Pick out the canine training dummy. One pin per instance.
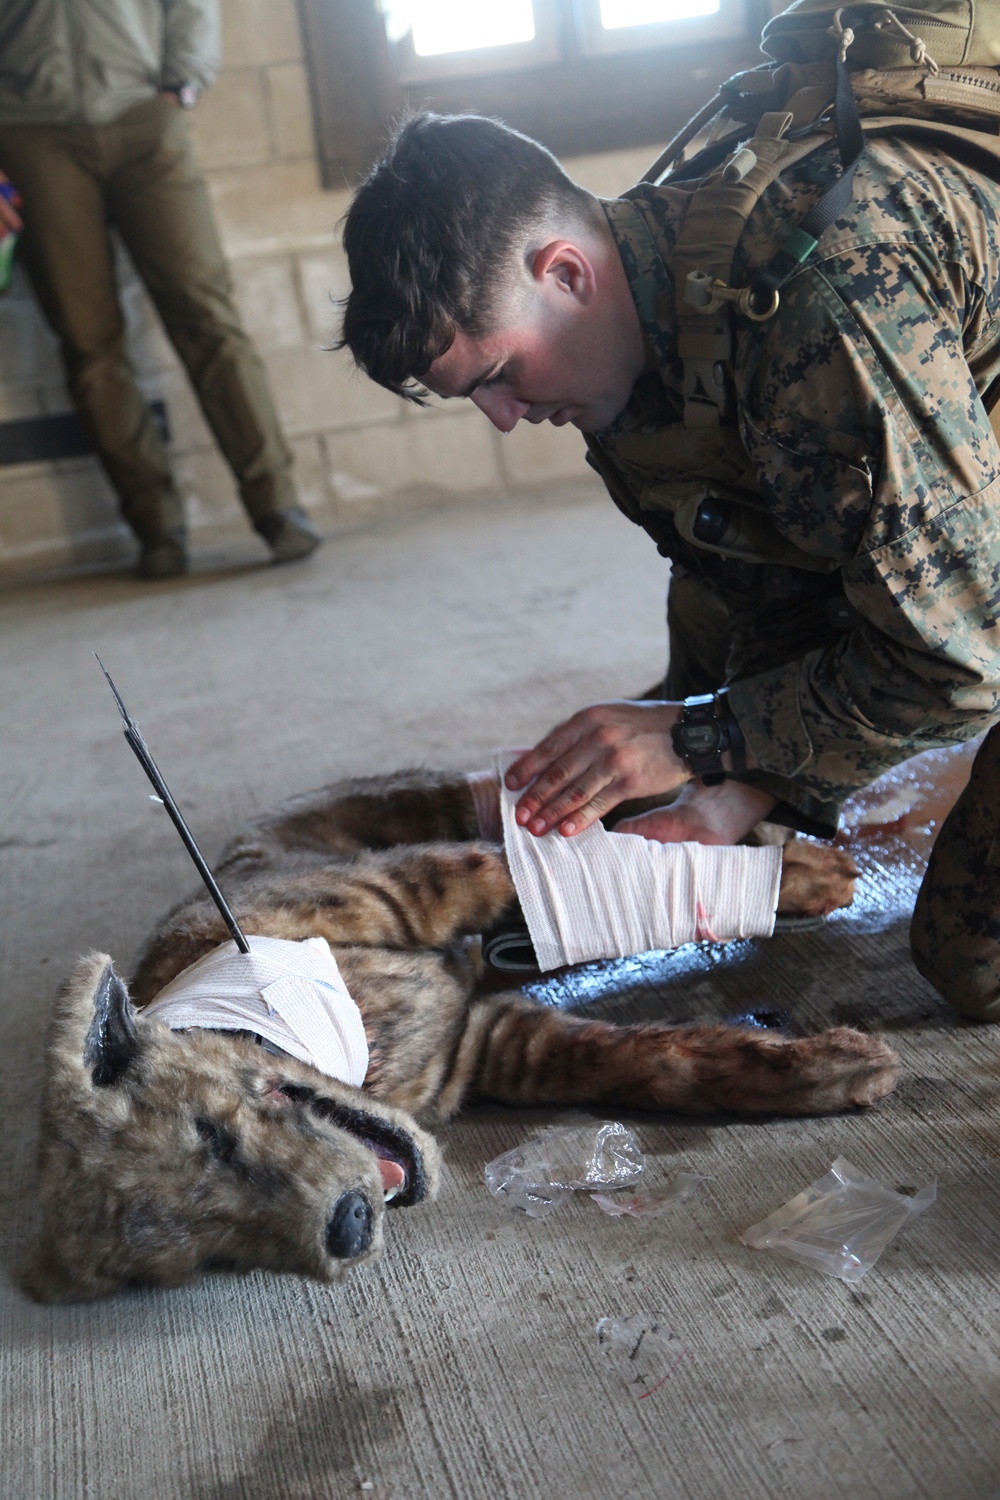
(168, 1153)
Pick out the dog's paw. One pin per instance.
(815, 1075)
(816, 879)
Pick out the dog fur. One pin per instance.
(165, 1155)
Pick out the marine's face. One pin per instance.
(563, 356)
(518, 373)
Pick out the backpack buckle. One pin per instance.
(706, 295)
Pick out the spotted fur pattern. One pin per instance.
(168, 1154)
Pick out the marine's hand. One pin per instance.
(175, 98)
(703, 815)
(10, 202)
(596, 759)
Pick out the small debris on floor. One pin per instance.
(642, 1349)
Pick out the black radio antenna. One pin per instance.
(133, 735)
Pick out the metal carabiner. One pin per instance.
(746, 308)
(708, 296)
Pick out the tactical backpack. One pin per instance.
(930, 68)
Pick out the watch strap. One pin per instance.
(701, 713)
(737, 743)
(699, 738)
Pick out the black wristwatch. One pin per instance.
(187, 94)
(706, 729)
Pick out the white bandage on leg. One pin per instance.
(606, 895)
(289, 992)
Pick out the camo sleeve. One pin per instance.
(860, 409)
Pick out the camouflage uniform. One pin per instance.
(858, 407)
(955, 932)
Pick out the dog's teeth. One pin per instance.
(393, 1177)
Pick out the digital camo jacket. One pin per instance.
(859, 408)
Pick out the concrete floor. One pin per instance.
(466, 1364)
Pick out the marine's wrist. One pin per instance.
(186, 93)
(708, 740)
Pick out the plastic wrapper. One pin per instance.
(651, 1205)
(540, 1174)
(780, 1021)
(642, 1350)
(840, 1224)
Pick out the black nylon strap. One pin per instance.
(737, 743)
(851, 144)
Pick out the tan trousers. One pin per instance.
(139, 176)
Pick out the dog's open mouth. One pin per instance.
(400, 1163)
(391, 1169)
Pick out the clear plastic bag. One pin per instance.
(540, 1174)
(642, 1349)
(841, 1223)
(651, 1205)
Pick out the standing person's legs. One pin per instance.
(955, 932)
(160, 205)
(69, 258)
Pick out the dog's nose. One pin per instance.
(349, 1231)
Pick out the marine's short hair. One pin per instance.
(435, 236)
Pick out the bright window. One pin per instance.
(581, 76)
(615, 13)
(439, 26)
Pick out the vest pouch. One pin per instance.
(742, 531)
(955, 32)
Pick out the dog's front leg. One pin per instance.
(517, 1052)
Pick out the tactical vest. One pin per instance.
(692, 479)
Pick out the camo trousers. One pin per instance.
(712, 640)
(955, 932)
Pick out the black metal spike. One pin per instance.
(133, 735)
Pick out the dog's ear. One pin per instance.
(112, 1041)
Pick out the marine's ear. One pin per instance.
(112, 1041)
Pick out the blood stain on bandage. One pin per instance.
(703, 926)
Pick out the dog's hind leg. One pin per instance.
(517, 1052)
(372, 812)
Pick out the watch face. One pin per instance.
(701, 739)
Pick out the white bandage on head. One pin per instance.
(606, 895)
(291, 993)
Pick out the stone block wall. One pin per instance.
(359, 451)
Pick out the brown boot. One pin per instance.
(163, 556)
(290, 534)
